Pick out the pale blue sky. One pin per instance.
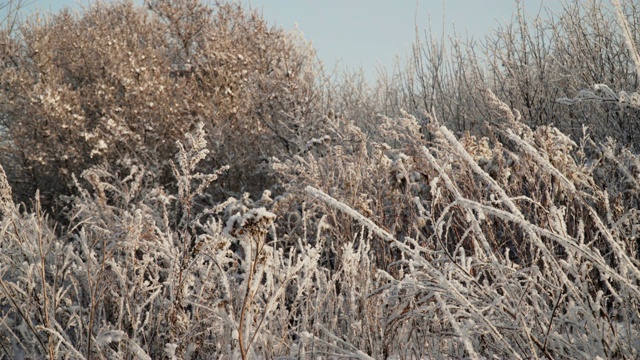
(370, 33)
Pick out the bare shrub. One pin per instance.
(530, 61)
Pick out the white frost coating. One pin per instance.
(315, 141)
(626, 264)
(170, 350)
(515, 212)
(452, 187)
(540, 161)
(254, 217)
(349, 211)
(436, 273)
(109, 336)
(138, 351)
(464, 337)
(567, 242)
(628, 35)
(63, 340)
(476, 169)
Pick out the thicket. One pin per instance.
(119, 84)
(260, 210)
(551, 66)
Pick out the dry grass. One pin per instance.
(379, 234)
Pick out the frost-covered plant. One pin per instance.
(119, 83)
(522, 243)
(145, 273)
(521, 253)
(529, 61)
(386, 236)
(377, 176)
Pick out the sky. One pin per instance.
(370, 34)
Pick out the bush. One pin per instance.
(120, 84)
(535, 63)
